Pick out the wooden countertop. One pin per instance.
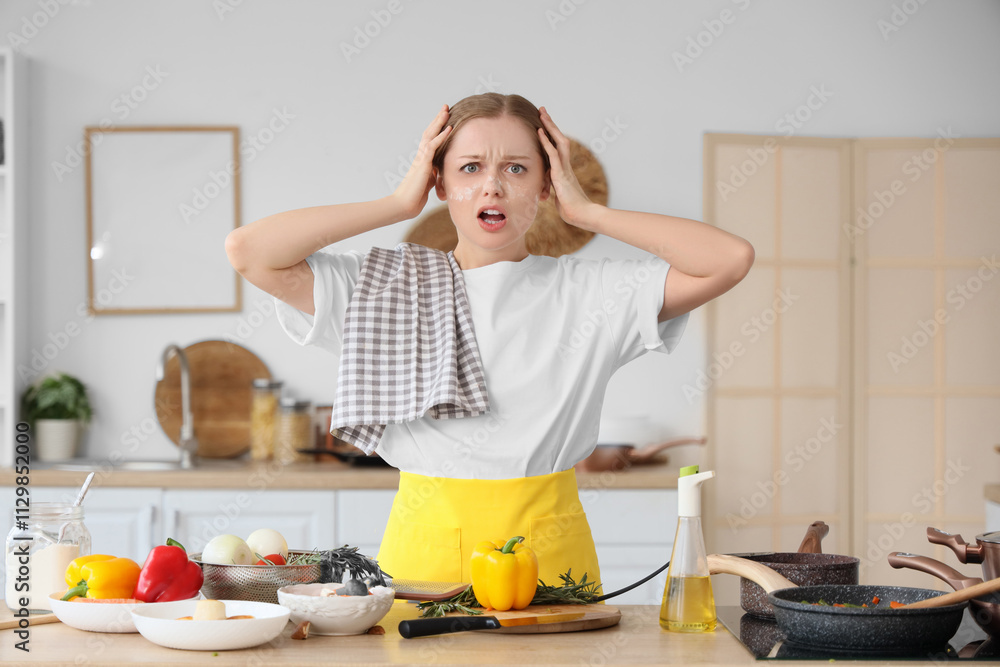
(238, 474)
(637, 640)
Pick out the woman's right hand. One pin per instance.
(413, 191)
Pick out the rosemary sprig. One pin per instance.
(335, 562)
(570, 592)
(463, 602)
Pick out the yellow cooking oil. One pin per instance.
(688, 605)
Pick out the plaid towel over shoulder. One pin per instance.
(409, 346)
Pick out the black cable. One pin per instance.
(600, 598)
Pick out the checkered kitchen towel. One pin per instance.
(409, 346)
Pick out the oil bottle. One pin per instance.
(688, 603)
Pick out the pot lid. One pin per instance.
(992, 538)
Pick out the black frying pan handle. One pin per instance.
(421, 627)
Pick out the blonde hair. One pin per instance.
(492, 105)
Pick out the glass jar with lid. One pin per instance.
(40, 545)
(295, 431)
(264, 417)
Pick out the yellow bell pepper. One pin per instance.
(102, 577)
(504, 574)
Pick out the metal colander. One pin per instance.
(258, 583)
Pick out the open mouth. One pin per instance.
(492, 216)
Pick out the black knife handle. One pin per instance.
(421, 627)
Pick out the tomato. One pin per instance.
(276, 559)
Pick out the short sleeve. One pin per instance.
(632, 293)
(334, 278)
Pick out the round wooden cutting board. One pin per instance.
(222, 375)
(595, 616)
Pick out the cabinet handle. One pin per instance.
(173, 523)
(146, 516)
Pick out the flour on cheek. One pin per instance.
(461, 194)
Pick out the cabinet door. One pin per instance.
(304, 518)
(122, 522)
(361, 518)
(634, 532)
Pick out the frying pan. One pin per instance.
(619, 457)
(985, 610)
(874, 629)
(807, 567)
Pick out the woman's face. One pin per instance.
(493, 179)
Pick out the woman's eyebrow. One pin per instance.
(505, 157)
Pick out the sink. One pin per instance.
(152, 465)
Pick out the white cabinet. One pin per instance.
(13, 246)
(634, 533)
(122, 522)
(304, 518)
(361, 518)
(633, 528)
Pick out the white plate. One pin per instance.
(95, 616)
(158, 623)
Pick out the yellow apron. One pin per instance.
(436, 521)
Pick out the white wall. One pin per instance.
(354, 121)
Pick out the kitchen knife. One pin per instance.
(421, 627)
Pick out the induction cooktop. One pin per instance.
(764, 641)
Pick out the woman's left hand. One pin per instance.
(570, 199)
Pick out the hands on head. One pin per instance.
(570, 199)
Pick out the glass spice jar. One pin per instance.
(263, 418)
(294, 431)
(39, 547)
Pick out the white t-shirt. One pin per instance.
(550, 332)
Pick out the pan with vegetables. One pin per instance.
(884, 619)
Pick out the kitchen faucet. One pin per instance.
(188, 443)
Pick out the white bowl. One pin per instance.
(336, 615)
(95, 616)
(158, 623)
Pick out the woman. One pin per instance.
(550, 331)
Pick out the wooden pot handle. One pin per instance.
(760, 574)
(812, 543)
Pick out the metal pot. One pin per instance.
(985, 551)
(807, 567)
(615, 458)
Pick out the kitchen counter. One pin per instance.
(637, 640)
(327, 475)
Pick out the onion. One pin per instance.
(227, 550)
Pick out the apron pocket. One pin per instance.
(414, 550)
(562, 542)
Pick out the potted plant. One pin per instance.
(56, 407)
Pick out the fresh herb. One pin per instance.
(570, 592)
(463, 602)
(335, 562)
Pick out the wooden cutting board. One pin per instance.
(595, 616)
(222, 375)
(33, 619)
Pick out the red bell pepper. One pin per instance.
(168, 574)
